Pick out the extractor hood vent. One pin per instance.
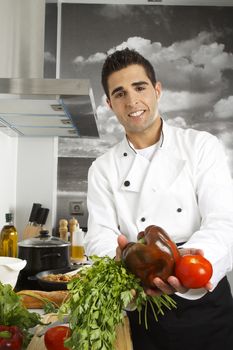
(47, 107)
(31, 105)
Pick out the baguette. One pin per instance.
(36, 299)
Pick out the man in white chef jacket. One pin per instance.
(177, 179)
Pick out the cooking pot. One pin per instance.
(43, 252)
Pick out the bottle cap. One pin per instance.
(78, 237)
(9, 217)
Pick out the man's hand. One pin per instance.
(172, 285)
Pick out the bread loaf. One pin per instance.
(36, 299)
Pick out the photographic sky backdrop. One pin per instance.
(191, 49)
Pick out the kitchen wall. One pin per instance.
(36, 178)
(28, 174)
(8, 175)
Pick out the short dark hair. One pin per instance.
(121, 59)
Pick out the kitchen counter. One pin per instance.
(123, 340)
(37, 343)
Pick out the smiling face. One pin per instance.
(134, 100)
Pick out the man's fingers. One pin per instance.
(122, 241)
(176, 285)
(192, 251)
(118, 254)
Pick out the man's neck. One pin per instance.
(146, 138)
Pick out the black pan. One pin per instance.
(51, 285)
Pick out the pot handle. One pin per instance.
(32, 278)
(45, 256)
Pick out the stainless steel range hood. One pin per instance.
(47, 107)
(31, 105)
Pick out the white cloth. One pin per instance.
(148, 152)
(186, 189)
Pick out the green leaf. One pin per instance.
(13, 312)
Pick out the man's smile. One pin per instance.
(136, 113)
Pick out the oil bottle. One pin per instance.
(9, 238)
(77, 242)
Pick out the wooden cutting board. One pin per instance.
(123, 340)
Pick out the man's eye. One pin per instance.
(119, 94)
(140, 88)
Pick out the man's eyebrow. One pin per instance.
(119, 88)
(136, 83)
(142, 82)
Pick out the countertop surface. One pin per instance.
(123, 339)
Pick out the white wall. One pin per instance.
(28, 173)
(8, 164)
(36, 178)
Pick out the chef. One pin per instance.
(174, 178)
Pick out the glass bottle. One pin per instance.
(9, 238)
(77, 245)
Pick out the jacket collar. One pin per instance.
(125, 146)
(158, 174)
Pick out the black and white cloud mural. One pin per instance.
(191, 49)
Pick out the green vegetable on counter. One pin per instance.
(97, 300)
(13, 313)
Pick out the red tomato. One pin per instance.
(54, 337)
(193, 271)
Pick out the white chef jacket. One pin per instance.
(186, 189)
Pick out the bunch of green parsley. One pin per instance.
(97, 300)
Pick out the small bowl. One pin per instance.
(10, 268)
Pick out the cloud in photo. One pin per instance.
(196, 64)
(224, 108)
(95, 58)
(113, 12)
(178, 122)
(82, 147)
(184, 100)
(49, 57)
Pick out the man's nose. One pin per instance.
(132, 99)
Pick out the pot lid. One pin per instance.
(43, 240)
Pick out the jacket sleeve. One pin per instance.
(101, 237)
(214, 190)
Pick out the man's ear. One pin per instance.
(109, 102)
(158, 89)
